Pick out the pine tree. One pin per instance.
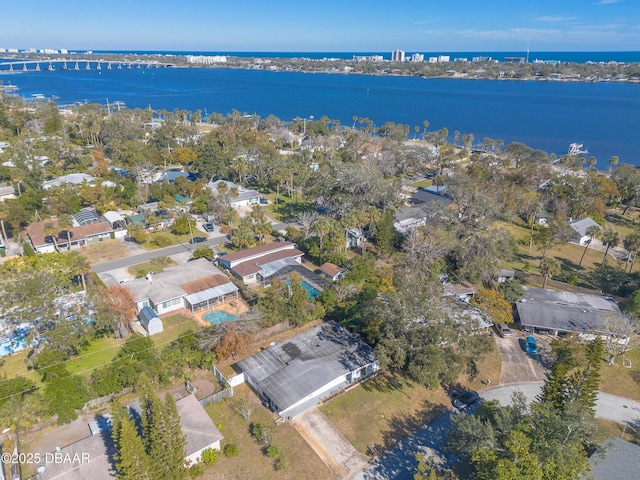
(175, 453)
(132, 462)
(163, 440)
(584, 384)
(554, 391)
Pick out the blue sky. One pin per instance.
(322, 26)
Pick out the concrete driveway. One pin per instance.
(332, 447)
(517, 366)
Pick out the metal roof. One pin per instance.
(294, 369)
(208, 294)
(567, 311)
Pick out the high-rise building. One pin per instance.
(417, 57)
(397, 56)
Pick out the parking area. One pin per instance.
(518, 366)
(332, 447)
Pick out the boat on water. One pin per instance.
(576, 149)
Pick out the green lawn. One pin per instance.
(422, 183)
(14, 365)
(622, 381)
(174, 326)
(384, 410)
(99, 352)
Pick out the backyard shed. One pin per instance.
(150, 321)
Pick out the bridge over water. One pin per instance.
(73, 64)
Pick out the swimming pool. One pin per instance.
(218, 316)
(313, 291)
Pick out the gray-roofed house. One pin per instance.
(198, 427)
(427, 196)
(409, 218)
(622, 461)
(196, 285)
(296, 374)
(579, 230)
(245, 196)
(559, 311)
(71, 179)
(150, 321)
(504, 275)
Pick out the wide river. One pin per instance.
(605, 117)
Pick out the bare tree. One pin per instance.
(245, 407)
(623, 334)
(306, 221)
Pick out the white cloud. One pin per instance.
(607, 2)
(555, 18)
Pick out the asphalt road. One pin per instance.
(399, 463)
(162, 252)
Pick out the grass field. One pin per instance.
(422, 183)
(105, 251)
(174, 326)
(155, 265)
(251, 463)
(607, 429)
(622, 381)
(99, 352)
(489, 371)
(384, 410)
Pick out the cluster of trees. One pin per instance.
(548, 439)
(158, 453)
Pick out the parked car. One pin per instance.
(208, 227)
(197, 240)
(532, 348)
(504, 331)
(465, 399)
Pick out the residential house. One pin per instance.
(198, 427)
(117, 222)
(247, 264)
(424, 196)
(74, 179)
(331, 271)
(558, 311)
(246, 197)
(579, 230)
(196, 285)
(617, 459)
(504, 275)
(76, 237)
(296, 374)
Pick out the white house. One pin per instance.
(295, 375)
(245, 196)
(198, 427)
(579, 230)
(196, 286)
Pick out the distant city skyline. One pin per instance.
(329, 26)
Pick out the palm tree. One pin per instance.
(610, 238)
(632, 244)
(548, 268)
(81, 266)
(51, 230)
(65, 222)
(322, 227)
(593, 232)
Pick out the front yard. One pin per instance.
(251, 462)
